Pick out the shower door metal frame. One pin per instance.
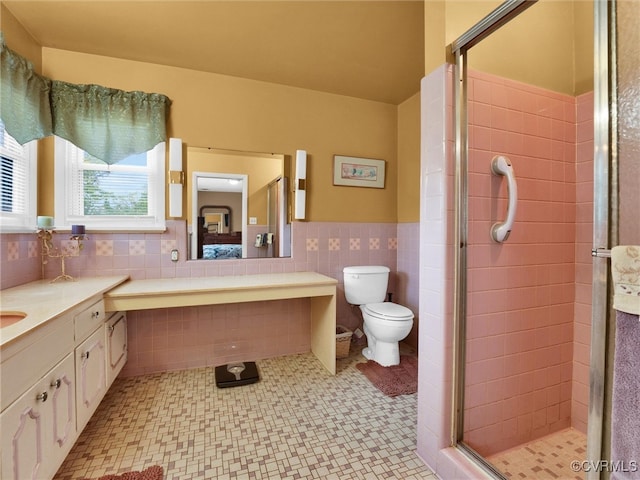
(605, 227)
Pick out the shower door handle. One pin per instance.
(501, 165)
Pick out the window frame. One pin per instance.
(24, 222)
(64, 218)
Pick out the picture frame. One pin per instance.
(358, 172)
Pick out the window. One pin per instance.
(126, 195)
(18, 187)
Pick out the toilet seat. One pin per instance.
(388, 311)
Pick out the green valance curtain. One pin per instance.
(24, 97)
(109, 124)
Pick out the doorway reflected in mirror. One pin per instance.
(238, 205)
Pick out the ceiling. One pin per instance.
(366, 49)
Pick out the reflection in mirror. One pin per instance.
(238, 206)
(218, 233)
(277, 217)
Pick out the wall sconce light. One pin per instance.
(300, 187)
(176, 177)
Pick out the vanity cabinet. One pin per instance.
(90, 376)
(24, 362)
(39, 428)
(116, 342)
(53, 379)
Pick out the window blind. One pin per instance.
(17, 194)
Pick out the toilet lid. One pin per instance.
(388, 311)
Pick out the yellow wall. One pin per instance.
(409, 160)
(435, 40)
(584, 48)
(218, 111)
(18, 39)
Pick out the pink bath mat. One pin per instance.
(151, 473)
(395, 380)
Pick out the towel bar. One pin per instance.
(601, 252)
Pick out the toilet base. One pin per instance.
(386, 354)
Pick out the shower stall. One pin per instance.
(516, 337)
(530, 310)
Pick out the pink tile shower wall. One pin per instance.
(584, 240)
(521, 293)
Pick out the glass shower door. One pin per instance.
(525, 375)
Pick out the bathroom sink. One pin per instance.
(9, 318)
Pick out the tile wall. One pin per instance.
(169, 339)
(407, 291)
(521, 293)
(436, 273)
(529, 298)
(583, 275)
(20, 260)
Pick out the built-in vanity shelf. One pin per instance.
(192, 291)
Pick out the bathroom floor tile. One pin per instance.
(297, 422)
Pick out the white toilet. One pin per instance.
(385, 323)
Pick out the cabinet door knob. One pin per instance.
(95, 314)
(85, 355)
(56, 383)
(42, 396)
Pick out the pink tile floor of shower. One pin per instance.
(549, 457)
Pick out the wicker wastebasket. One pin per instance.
(343, 341)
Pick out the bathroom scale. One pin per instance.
(236, 374)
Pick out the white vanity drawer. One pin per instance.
(89, 319)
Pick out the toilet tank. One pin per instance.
(366, 284)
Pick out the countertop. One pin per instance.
(43, 301)
(190, 291)
(159, 286)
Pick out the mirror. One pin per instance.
(237, 205)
